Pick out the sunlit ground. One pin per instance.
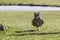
(18, 25)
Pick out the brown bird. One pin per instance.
(1, 27)
(37, 21)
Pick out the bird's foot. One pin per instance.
(38, 29)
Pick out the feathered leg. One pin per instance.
(38, 28)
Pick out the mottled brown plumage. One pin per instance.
(37, 21)
(1, 27)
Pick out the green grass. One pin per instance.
(50, 2)
(18, 26)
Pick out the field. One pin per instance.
(18, 25)
(50, 2)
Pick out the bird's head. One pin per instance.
(36, 14)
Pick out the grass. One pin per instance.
(18, 26)
(50, 2)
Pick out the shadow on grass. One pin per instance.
(31, 32)
(25, 31)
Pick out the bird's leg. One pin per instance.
(38, 28)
